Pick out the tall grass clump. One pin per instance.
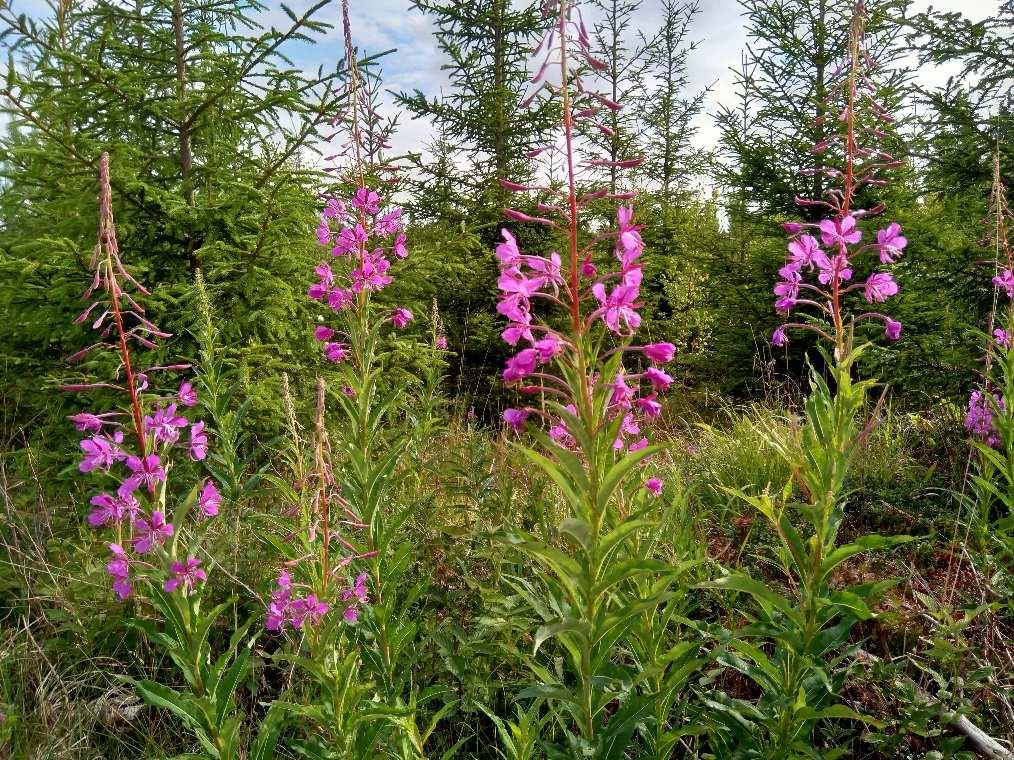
(795, 646)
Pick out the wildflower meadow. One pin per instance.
(505, 379)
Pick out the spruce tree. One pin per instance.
(973, 113)
(792, 61)
(669, 112)
(208, 122)
(625, 59)
(485, 44)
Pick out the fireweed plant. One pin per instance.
(794, 649)
(157, 531)
(571, 319)
(989, 420)
(336, 594)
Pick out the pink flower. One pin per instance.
(804, 251)
(366, 200)
(520, 365)
(401, 317)
(638, 445)
(1005, 281)
(787, 292)
(198, 441)
(561, 436)
(335, 352)
(323, 232)
(549, 268)
(890, 243)
(319, 290)
(389, 224)
(979, 419)
(334, 209)
(659, 353)
(840, 232)
(350, 239)
(371, 274)
(101, 452)
(279, 606)
(654, 486)
(323, 333)
(188, 574)
(618, 308)
(187, 395)
(507, 252)
(109, 508)
(151, 532)
(892, 329)
(1002, 338)
(623, 395)
(400, 250)
(209, 499)
(548, 348)
(628, 243)
(650, 406)
(358, 595)
(119, 570)
(515, 332)
(165, 424)
(309, 609)
(146, 472)
(879, 287)
(515, 418)
(659, 379)
(778, 337)
(339, 298)
(441, 342)
(832, 267)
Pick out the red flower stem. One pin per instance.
(568, 132)
(135, 403)
(849, 179)
(107, 241)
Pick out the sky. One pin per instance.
(379, 25)
(718, 29)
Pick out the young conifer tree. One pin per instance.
(791, 64)
(485, 44)
(206, 119)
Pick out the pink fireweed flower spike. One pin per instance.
(151, 532)
(831, 247)
(596, 281)
(135, 446)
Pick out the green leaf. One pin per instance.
(548, 631)
(836, 712)
(863, 544)
(768, 599)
